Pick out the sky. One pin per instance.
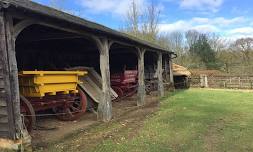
(230, 19)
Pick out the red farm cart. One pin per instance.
(125, 83)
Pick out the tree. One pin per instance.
(206, 54)
(192, 37)
(245, 46)
(175, 41)
(133, 20)
(150, 24)
(144, 24)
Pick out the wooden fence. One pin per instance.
(229, 82)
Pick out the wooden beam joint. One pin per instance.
(21, 26)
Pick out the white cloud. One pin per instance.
(221, 21)
(201, 5)
(227, 27)
(242, 31)
(180, 25)
(187, 25)
(207, 28)
(117, 7)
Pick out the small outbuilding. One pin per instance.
(181, 76)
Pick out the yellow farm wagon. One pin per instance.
(57, 90)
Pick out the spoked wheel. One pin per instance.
(148, 88)
(73, 110)
(119, 91)
(131, 92)
(28, 112)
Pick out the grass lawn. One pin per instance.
(193, 120)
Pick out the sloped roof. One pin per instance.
(179, 70)
(36, 8)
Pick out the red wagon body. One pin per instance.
(125, 83)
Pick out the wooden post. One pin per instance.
(206, 82)
(239, 81)
(171, 74)
(105, 105)
(141, 77)
(160, 74)
(203, 81)
(166, 68)
(14, 84)
(10, 77)
(7, 128)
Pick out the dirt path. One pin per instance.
(88, 132)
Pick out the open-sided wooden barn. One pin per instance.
(36, 37)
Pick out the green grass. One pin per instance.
(194, 120)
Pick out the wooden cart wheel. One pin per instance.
(132, 92)
(28, 112)
(119, 91)
(74, 110)
(148, 88)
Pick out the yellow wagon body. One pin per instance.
(40, 83)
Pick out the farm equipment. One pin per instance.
(125, 83)
(56, 90)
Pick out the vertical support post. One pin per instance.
(10, 123)
(166, 67)
(171, 74)
(141, 77)
(172, 86)
(13, 70)
(105, 105)
(160, 74)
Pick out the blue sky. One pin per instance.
(230, 18)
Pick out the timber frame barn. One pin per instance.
(36, 37)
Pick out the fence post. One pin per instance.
(206, 82)
(203, 81)
(225, 84)
(239, 80)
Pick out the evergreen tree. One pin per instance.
(203, 50)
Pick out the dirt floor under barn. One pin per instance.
(51, 130)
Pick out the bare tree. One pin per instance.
(245, 46)
(215, 41)
(192, 37)
(150, 24)
(133, 19)
(143, 24)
